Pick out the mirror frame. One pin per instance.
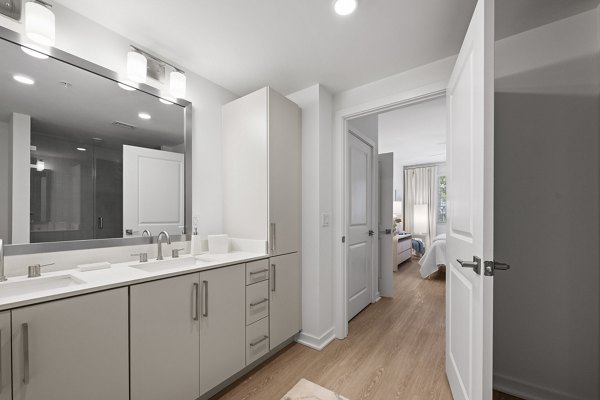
(48, 247)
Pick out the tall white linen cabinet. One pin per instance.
(262, 195)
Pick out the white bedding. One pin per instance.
(434, 256)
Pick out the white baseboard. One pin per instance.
(529, 391)
(316, 343)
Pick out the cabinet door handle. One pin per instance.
(273, 238)
(259, 341)
(196, 298)
(205, 300)
(274, 278)
(25, 332)
(257, 303)
(262, 271)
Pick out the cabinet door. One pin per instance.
(285, 299)
(165, 344)
(222, 324)
(72, 349)
(5, 356)
(284, 175)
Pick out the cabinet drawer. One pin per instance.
(257, 301)
(405, 255)
(404, 245)
(257, 271)
(257, 340)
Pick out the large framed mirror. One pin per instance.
(86, 161)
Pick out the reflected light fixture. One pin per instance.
(40, 22)
(126, 87)
(167, 102)
(177, 84)
(144, 115)
(40, 165)
(34, 53)
(81, 148)
(344, 7)
(137, 66)
(23, 79)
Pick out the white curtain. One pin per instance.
(420, 188)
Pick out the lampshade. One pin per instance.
(39, 23)
(177, 84)
(421, 218)
(137, 66)
(397, 207)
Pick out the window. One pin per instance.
(442, 200)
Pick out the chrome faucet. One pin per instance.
(159, 242)
(147, 232)
(2, 276)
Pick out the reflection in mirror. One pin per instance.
(81, 158)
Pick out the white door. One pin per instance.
(386, 224)
(359, 158)
(153, 191)
(469, 295)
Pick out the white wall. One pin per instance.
(4, 182)
(547, 307)
(19, 140)
(317, 321)
(86, 39)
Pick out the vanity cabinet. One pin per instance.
(222, 324)
(5, 357)
(165, 339)
(285, 298)
(72, 349)
(262, 170)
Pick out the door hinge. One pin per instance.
(343, 239)
(490, 266)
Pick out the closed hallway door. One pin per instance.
(359, 158)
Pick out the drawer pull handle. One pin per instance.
(205, 301)
(25, 332)
(262, 271)
(257, 303)
(274, 278)
(259, 341)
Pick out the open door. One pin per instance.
(153, 191)
(469, 291)
(386, 225)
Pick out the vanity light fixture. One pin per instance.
(144, 115)
(345, 7)
(40, 165)
(40, 22)
(137, 65)
(34, 53)
(140, 63)
(23, 79)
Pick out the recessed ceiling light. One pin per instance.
(126, 87)
(23, 79)
(34, 53)
(81, 149)
(165, 101)
(144, 115)
(345, 7)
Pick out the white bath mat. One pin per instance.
(306, 390)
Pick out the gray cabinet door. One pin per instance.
(5, 356)
(285, 297)
(165, 344)
(222, 324)
(72, 349)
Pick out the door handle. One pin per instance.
(205, 298)
(274, 277)
(196, 298)
(371, 232)
(25, 333)
(100, 223)
(475, 264)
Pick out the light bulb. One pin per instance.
(40, 165)
(137, 66)
(40, 23)
(345, 7)
(177, 84)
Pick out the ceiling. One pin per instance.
(292, 44)
(85, 109)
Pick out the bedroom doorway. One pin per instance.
(410, 225)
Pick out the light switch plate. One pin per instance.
(11, 9)
(325, 220)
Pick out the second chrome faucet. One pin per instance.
(159, 242)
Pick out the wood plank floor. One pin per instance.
(394, 350)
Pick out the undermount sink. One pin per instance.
(32, 285)
(206, 259)
(166, 264)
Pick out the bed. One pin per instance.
(434, 256)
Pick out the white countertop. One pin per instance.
(118, 275)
